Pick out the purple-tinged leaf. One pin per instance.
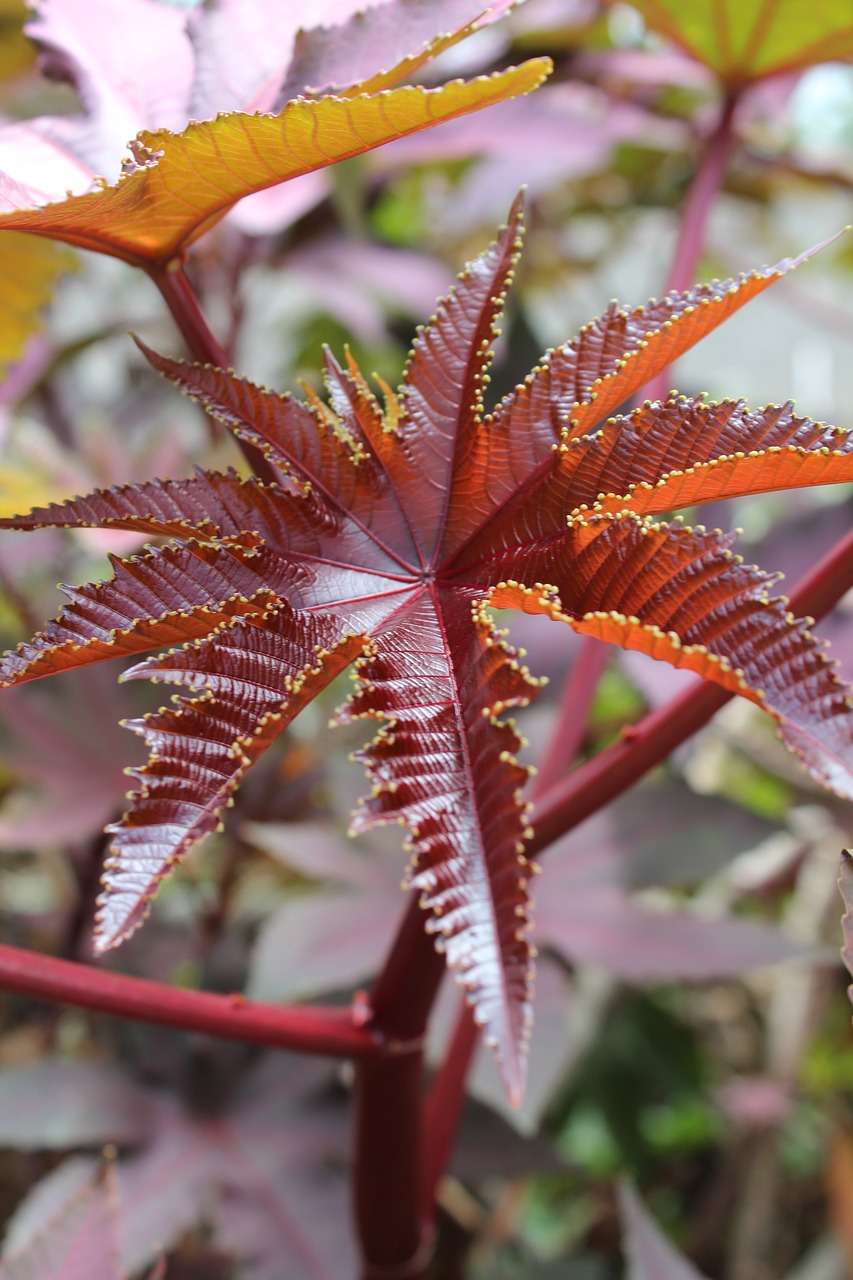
(131, 71)
(253, 57)
(650, 1255)
(330, 938)
(271, 1166)
(80, 1243)
(56, 1104)
(383, 43)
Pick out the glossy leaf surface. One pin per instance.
(389, 534)
(745, 40)
(179, 184)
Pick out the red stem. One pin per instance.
(310, 1029)
(707, 181)
(180, 298)
(572, 713)
(443, 1106)
(395, 1234)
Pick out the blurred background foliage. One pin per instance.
(669, 1048)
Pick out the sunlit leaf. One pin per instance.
(179, 184)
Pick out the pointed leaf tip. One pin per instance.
(159, 207)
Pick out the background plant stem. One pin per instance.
(180, 298)
(707, 182)
(308, 1029)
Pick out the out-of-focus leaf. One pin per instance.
(845, 884)
(63, 788)
(130, 67)
(16, 52)
(333, 937)
(254, 57)
(744, 40)
(29, 269)
(564, 132)
(55, 1104)
(271, 1166)
(669, 834)
(650, 1255)
(585, 913)
(81, 1243)
(178, 185)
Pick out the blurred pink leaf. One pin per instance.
(586, 914)
(54, 1105)
(160, 67)
(359, 282)
(254, 56)
(568, 131)
(131, 71)
(67, 787)
(80, 1243)
(333, 937)
(272, 1166)
(650, 1255)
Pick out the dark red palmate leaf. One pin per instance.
(406, 522)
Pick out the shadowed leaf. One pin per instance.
(271, 1163)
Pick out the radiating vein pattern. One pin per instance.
(396, 522)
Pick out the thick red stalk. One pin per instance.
(707, 181)
(309, 1029)
(395, 1234)
(443, 1106)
